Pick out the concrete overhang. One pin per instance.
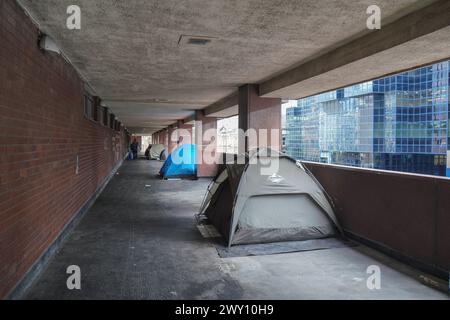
(223, 108)
(131, 55)
(417, 39)
(143, 130)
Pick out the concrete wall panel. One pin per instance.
(408, 214)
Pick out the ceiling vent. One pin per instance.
(198, 41)
(189, 40)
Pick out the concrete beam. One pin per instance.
(189, 119)
(408, 28)
(230, 101)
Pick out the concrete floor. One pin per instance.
(141, 242)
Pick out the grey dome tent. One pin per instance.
(157, 152)
(256, 203)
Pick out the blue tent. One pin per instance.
(180, 163)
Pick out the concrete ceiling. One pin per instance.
(129, 51)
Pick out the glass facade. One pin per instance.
(400, 123)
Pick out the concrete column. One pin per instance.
(165, 139)
(185, 133)
(172, 138)
(161, 138)
(205, 137)
(158, 137)
(258, 116)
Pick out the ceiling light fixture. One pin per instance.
(46, 43)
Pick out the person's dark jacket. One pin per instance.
(134, 147)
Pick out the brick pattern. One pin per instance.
(42, 132)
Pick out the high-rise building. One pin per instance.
(400, 123)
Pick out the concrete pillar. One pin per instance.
(184, 133)
(161, 137)
(165, 139)
(172, 138)
(260, 116)
(205, 137)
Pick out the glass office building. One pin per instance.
(400, 123)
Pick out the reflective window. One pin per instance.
(400, 123)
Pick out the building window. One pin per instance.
(88, 106)
(399, 122)
(112, 119)
(95, 116)
(105, 117)
(96, 110)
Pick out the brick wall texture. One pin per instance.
(43, 131)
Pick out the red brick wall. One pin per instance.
(42, 130)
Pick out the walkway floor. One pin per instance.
(140, 241)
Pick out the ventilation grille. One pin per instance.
(189, 40)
